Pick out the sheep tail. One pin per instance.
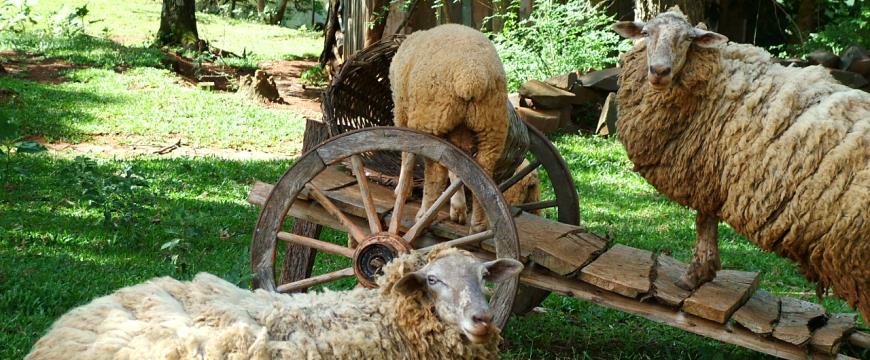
(473, 81)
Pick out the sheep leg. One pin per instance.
(705, 261)
(434, 183)
(458, 207)
(488, 152)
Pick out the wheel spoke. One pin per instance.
(324, 246)
(432, 212)
(368, 202)
(537, 205)
(355, 232)
(519, 175)
(315, 280)
(403, 189)
(465, 240)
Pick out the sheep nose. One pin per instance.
(660, 70)
(485, 318)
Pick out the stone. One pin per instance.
(824, 58)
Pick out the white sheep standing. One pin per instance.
(446, 81)
(425, 308)
(780, 154)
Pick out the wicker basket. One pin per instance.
(360, 97)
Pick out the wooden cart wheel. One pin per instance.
(379, 241)
(566, 202)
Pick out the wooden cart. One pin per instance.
(339, 183)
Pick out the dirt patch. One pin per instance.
(130, 146)
(37, 68)
(221, 77)
(299, 98)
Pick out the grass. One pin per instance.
(135, 22)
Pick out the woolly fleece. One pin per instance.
(780, 154)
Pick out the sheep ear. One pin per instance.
(501, 269)
(629, 29)
(708, 39)
(409, 283)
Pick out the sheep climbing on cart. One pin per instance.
(354, 181)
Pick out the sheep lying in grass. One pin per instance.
(425, 308)
(446, 80)
(781, 154)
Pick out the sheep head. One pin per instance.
(454, 281)
(668, 37)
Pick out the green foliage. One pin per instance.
(314, 76)
(844, 23)
(17, 15)
(555, 39)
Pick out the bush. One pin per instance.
(555, 39)
(845, 22)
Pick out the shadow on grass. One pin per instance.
(47, 109)
(83, 50)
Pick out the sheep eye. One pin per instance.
(644, 33)
(432, 280)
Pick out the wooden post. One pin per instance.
(299, 260)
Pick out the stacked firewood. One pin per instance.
(564, 102)
(852, 67)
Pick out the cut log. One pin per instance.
(850, 79)
(259, 87)
(852, 54)
(545, 96)
(760, 313)
(718, 299)
(545, 120)
(828, 338)
(668, 272)
(797, 320)
(603, 79)
(565, 81)
(824, 58)
(607, 119)
(622, 269)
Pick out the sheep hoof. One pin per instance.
(458, 215)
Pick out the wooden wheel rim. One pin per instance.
(340, 147)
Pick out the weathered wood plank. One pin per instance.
(760, 313)
(718, 299)
(568, 253)
(668, 271)
(662, 314)
(797, 320)
(622, 269)
(828, 338)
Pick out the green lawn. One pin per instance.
(135, 22)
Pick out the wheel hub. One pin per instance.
(375, 252)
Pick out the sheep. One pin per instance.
(780, 154)
(425, 308)
(447, 81)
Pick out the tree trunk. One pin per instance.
(279, 12)
(696, 10)
(378, 11)
(232, 9)
(807, 20)
(178, 23)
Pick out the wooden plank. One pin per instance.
(718, 299)
(567, 254)
(760, 313)
(828, 338)
(668, 271)
(797, 320)
(662, 314)
(622, 269)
